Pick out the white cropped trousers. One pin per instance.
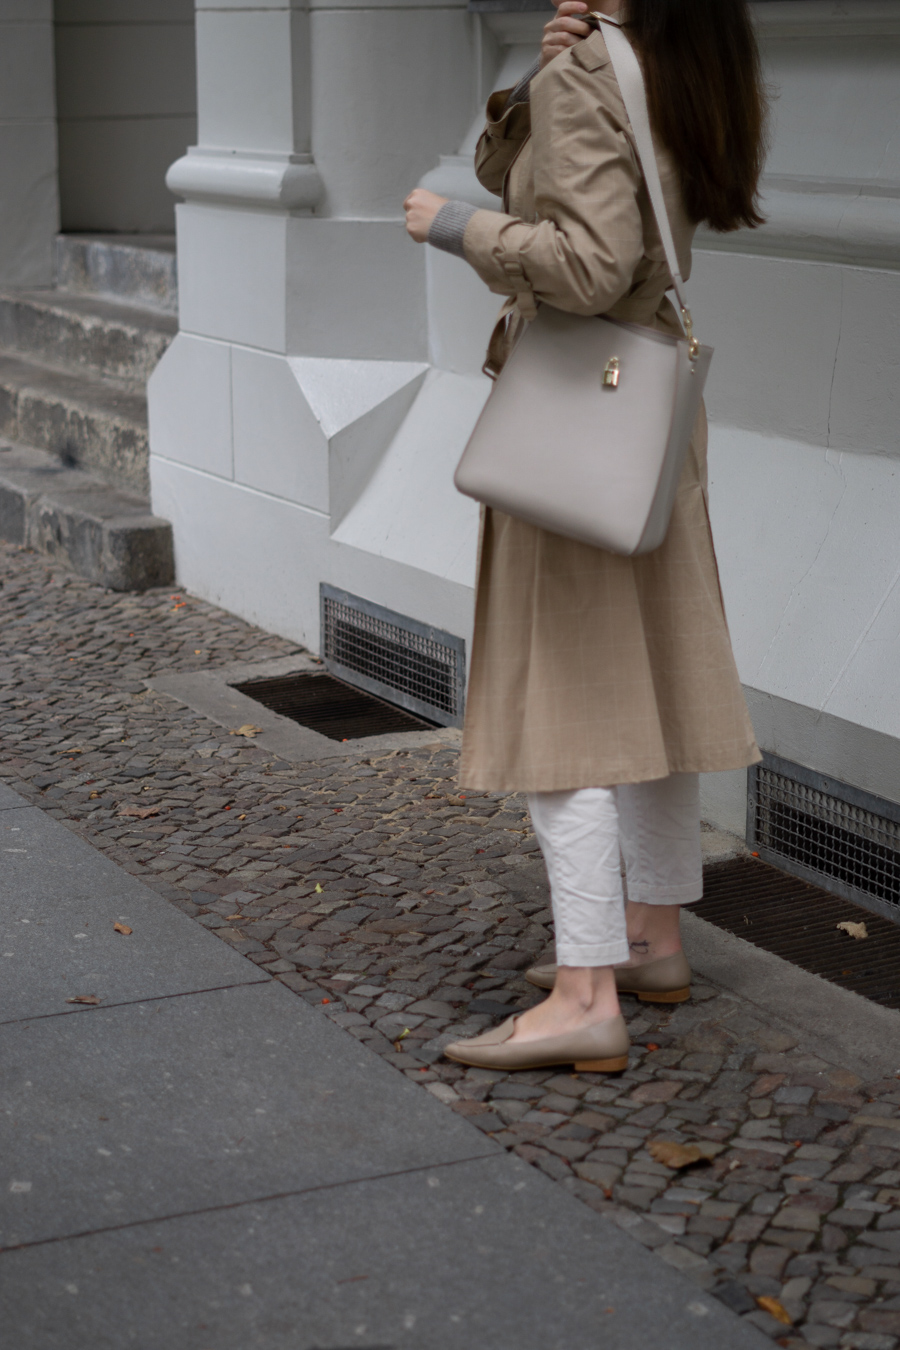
(656, 828)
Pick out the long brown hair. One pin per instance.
(707, 102)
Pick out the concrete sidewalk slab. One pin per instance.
(10, 800)
(207, 1099)
(59, 900)
(475, 1255)
(857, 1033)
(225, 1169)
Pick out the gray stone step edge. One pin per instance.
(140, 268)
(94, 424)
(82, 331)
(106, 535)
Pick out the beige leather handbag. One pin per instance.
(587, 427)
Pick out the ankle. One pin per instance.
(653, 949)
(587, 994)
(654, 931)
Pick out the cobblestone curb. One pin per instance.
(407, 912)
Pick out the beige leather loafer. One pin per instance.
(601, 1048)
(667, 980)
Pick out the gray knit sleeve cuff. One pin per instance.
(449, 227)
(521, 93)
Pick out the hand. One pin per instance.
(421, 207)
(564, 30)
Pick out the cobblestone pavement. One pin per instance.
(407, 913)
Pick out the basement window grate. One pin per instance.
(418, 667)
(330, 706)
(799, 923)
(826, 832)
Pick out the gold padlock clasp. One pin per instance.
(611, 373)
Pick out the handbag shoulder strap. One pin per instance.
(634, 96)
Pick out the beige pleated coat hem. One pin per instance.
(590, 669)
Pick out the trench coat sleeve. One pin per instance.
(581, 253)
(506, 131)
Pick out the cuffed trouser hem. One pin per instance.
(657, 827)
(604, 954)
(671, 895)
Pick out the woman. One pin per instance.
(603, 685)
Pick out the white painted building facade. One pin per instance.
(305, 423)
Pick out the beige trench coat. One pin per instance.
(588, 668)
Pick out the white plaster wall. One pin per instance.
(805, 437)
(809, 351)
(246, 60)
(809, 556)
(29, 206)
(405, 95)
(298, 397)
(263, 557)
(355, 288)
(127, 107)
(835, 114)
(232, 273)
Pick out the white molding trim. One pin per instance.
(269, 181)
(826, 18)
(828, 221)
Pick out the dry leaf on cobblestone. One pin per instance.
(775, 1309)
(92, 999)
(139, 812)
(854, 930)
(122, 928)
(248, 729)
(671, 1154)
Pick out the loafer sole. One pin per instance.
(617, 1065)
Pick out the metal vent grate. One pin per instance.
(799, 923)
(327, 705)
(826, 832)
(421, 668)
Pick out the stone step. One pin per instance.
(63, 328)
(87, 422)
(139, 268)
(105, 534)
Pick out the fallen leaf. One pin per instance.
(95, 794)
(139, 812)
(775, 1309)
(672, 1154)
(244, 817)
(92, 999)
(122, 928)
(248, 729)
(854, 930)
(318, 888)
